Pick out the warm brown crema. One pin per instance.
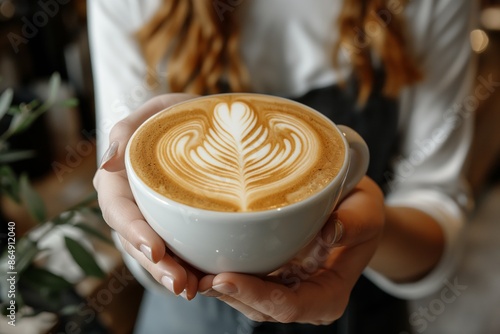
(237, 152)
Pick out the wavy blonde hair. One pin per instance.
(202, 48)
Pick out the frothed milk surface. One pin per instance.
(237, 152)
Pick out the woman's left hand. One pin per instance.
(315, 287)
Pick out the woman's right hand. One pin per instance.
(122, 214)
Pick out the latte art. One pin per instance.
(237, 152)
(238, 157)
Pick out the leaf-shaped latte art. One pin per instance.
(238, 156)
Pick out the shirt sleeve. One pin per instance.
(437, 118)
(120, 80)
(119, 69)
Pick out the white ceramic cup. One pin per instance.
(248, 242)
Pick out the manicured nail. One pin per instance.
(146, 250)
(211, 293)
(184, 294)
(168, 282)
(333, 238)
(338, 233)
(110, 153)
(225, 288)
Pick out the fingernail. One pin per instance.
(146, 250)
(168, 282)
(211, 293)
(225, 288)
(183, 294)
(332, 238)
(337, 235)
(110, 153)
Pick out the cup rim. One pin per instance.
(340, 177)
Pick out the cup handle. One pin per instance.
(359, 159)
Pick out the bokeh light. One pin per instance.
(479, 40)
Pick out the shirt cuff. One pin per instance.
(451, 218)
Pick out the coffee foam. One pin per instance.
(237, 153)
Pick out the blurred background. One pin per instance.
(37, 40)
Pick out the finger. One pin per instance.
(191, 287)
(332, 232)
(167, 271)
(113, 158)
(205, 286)
(314, 255)
(360, 231)
(261, 300)
(232, 299)
(258, 299)
(121, 213)
(351, 212)
(193, 277)
(246, 310)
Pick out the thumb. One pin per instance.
(113, 158)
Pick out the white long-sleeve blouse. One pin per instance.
(287, 48)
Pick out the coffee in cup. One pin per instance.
(241, 182)
(237, 153)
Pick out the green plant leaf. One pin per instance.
(24, 120)
(9, 183)
(31, 199)
(54, 85)
(19, 301)
(24, 116)
(70, 103)
(39, 278)
(93, 232)
(5, 101)
(15, 155)
(26, 250)
(83, 258)
(17, 122)
(33, 105)
(64, 218)
(96, 210)
(14, 110)
(70, 309)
